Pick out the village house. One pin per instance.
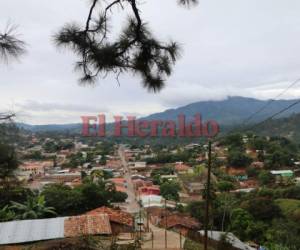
(257, 164)
(177, 222)
(238, 173)
(62, 177)
(120, 184)
(19, 234)
(120, 221)
(180, 223)
(283, 176)
(156, 214)
(182, 168)
(30, 169)
(194, 188)
(113, 164)
(138, 166)
(148, 190)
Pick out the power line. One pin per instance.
(269, 102)
(276, 114)
(243, 127)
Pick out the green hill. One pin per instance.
(285, 127)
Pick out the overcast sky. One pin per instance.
(230, 47)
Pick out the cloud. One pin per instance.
(232, 47)
(32, 105)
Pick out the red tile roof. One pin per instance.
(181, 220)
(121, 189)
(118, 180)
(87, 225)
(115, 215)
(181, 167)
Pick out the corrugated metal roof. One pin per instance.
(232, 239)
(31, 230)
(282, 172)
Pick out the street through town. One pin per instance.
(132, 203)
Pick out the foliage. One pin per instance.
(165, 157)
(88, 196)
(258, 143)
(6, 214)
(8, 161)
(65, 200)
(54, 146)
(170, 190)
(225, 186)
(283, 235)
(279, 158)
(156, 173)
(223, 206)
(262, 208)
(191, 245)
(265, 178)
(199, 170)
(290, 208)
(35, 155)
(10, 45)
(234, 141)
(252, 172)
(238, 159)
(134, 50)
(13, 192)
(33, 208)
(197, 210)
(75, 160)
(241, 222)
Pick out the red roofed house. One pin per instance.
(97, 224)
(180, 223)
(120, 184)
(149, 190)
(121, 222)
(181, 168)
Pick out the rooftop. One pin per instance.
(217, 235)
(25, 231)
(115, 215)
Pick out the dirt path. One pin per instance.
(173, 239)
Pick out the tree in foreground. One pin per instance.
(33, 208)
(10, 46)
(170, 190)
(8, 163)
(135, 50)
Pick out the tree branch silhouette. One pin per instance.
(10, 45)
(135, 50)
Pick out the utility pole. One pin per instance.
(207, 197)
(180, 239)
(140, 222)
(166, 224)
(152, 235)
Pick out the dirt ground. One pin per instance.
(173, 239)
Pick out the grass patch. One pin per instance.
(290, 208)
(192, 245)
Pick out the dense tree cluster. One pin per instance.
(90, 195)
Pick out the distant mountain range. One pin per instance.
(228, 113)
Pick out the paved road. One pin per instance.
(132, 204)
(133, 207)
